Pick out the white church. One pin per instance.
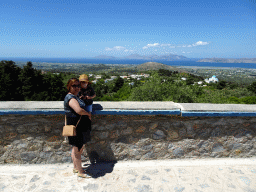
(212, 79)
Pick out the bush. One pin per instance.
(248, 100)
(234, 100)
(252, 87)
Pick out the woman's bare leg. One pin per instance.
(73, 157)
(77, 160)
(81, 150)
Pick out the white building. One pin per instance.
(123, 77)
(200, 82)
(106, 80)
(95, 81)
(183, 78)
(98, 77)
(90, 75)
(113, 77)
(132, 83)
(212, 79)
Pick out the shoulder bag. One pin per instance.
(69, 130)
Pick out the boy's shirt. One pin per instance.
(89, 91)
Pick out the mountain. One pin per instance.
(133, 56)
(156, 66)
(169, 57)
(225, 60)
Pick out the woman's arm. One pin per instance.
(76, 107)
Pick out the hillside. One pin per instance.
(156, 66)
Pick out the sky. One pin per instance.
(88, 28)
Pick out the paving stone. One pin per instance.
(46, 183)
(141, 188)
(179, 189)
(155, 171)
(35, 178)
(132, 180)
(31, 188)
(145, 178)
(168, 175)
(92, 187)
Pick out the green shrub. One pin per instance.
(234, 100)
(248, 100)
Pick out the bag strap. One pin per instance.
(77, 122)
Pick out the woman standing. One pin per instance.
(74, 110)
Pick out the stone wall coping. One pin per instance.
(104, 104)
(128, 105)
(132, 108)
(217, 107)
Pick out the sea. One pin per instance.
(180, 64)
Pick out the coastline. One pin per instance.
(209, 67)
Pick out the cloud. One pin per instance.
(115, 48)
(195, 44)
(158, 45)
(108, 49)
(151, 45)
(200, 43)
(127, 50)
(164, 45)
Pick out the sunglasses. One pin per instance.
(78, 86)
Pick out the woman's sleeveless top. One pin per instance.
(69, 112)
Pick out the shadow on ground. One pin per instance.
(98, 167)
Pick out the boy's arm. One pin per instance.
(91, 97)
(93, 92)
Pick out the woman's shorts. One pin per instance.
(80, 139)
(83, 131)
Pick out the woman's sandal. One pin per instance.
(84, 175)
(75, 171)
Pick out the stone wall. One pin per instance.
(37, 138)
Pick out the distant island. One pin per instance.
(223, 60)
(173, 57)
(169, 57)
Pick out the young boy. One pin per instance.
(86, 93)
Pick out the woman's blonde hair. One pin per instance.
(70, 82)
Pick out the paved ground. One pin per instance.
(218, 175)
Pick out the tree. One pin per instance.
(164, 72)
(118, 84)
(221, 85)
(27, 77)
(233, 85)
(190, 81)
(252, 87)
(9, 83)
(151, 90)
